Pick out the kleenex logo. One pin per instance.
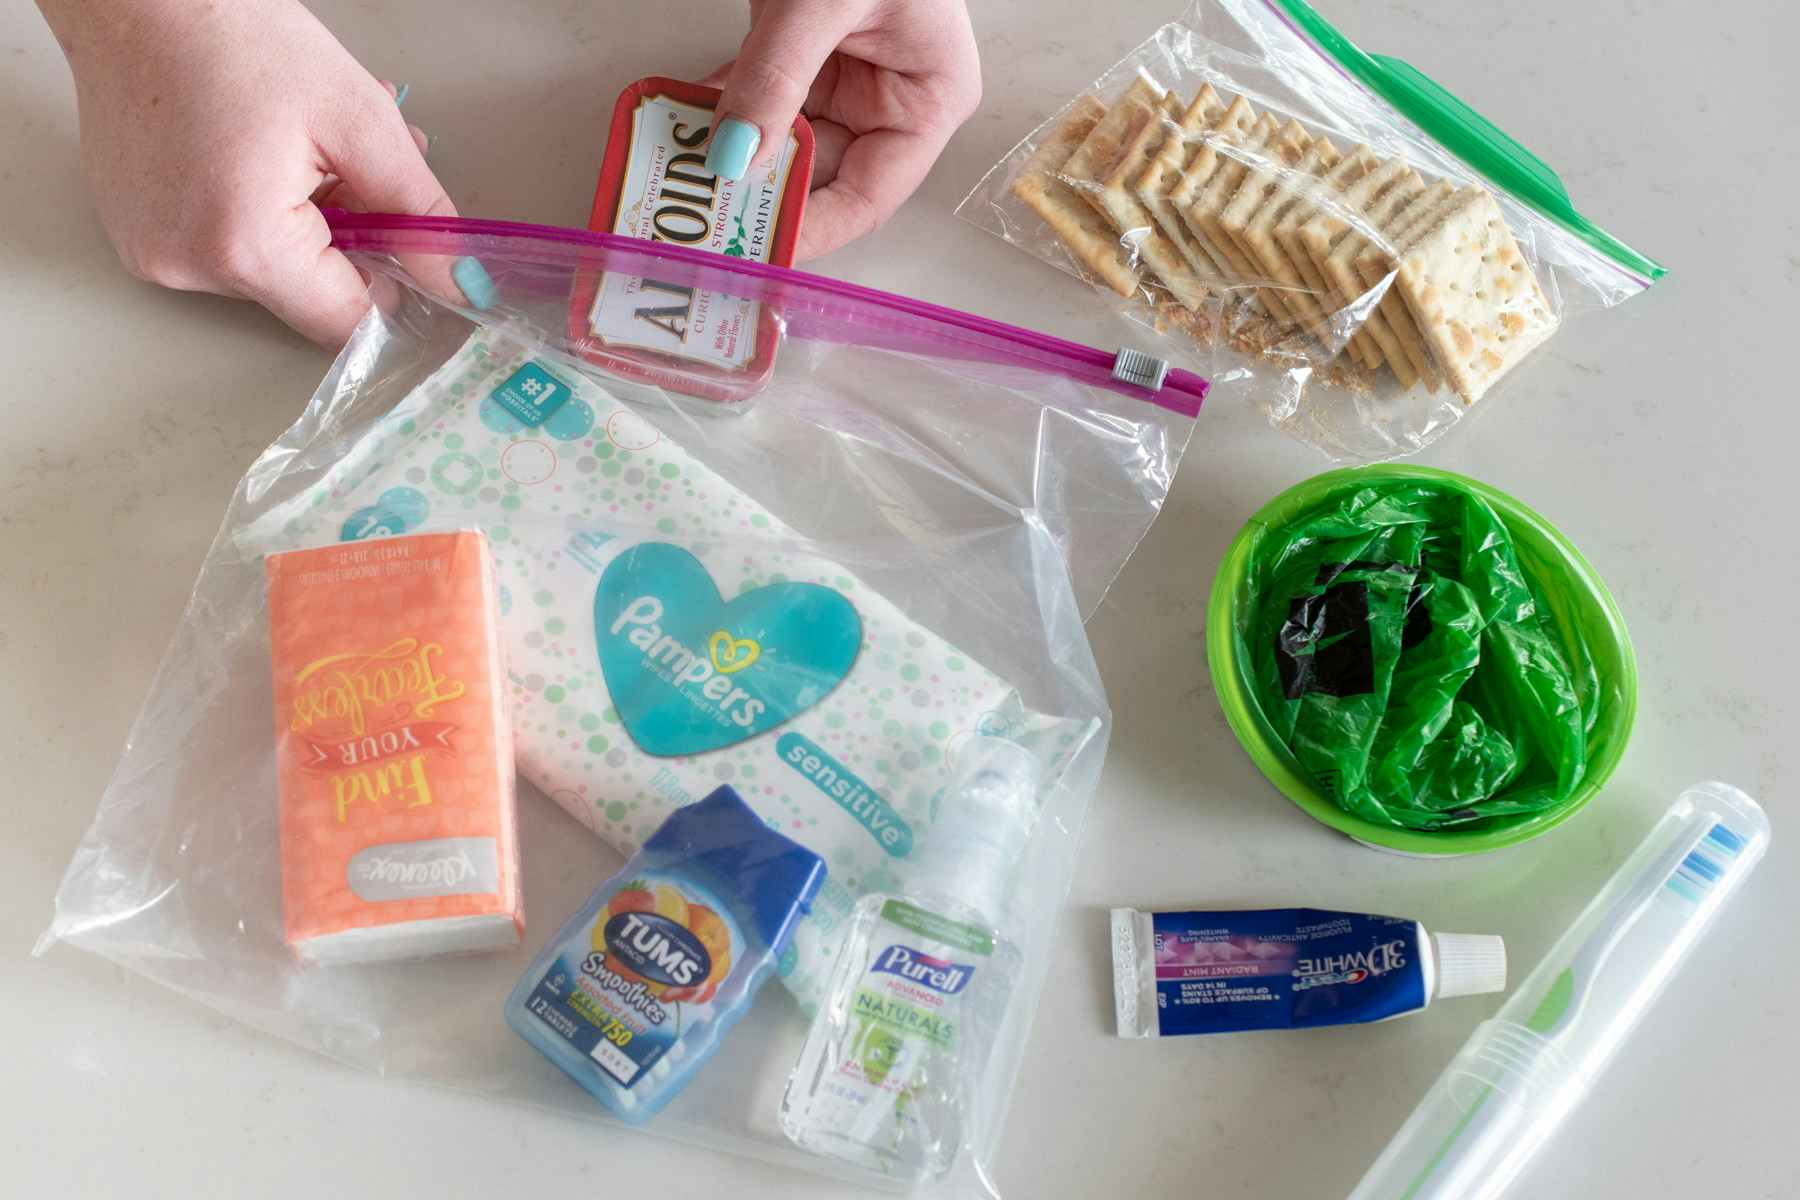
(440, 867)
(938, 974)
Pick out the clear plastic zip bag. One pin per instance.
(950, 494)
(1370, 256)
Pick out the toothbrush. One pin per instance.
(1522, 1073)
(1686, 869)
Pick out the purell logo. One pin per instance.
(1354, 967)
(938, 974)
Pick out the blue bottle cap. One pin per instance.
(773, 876)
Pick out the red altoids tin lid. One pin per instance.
(654, 185)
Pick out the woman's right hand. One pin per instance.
(884, 82)
(212, 133)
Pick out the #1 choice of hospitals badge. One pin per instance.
(667, 195)
(532, 395)
(689, 671)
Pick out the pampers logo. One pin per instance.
(887, 827)
(938, 974)
(1354, 967)
(708, 676)
(689, 671)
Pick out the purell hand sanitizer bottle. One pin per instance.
(888, 1077)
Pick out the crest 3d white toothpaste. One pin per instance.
(1286, 968)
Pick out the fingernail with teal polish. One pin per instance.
(734, 144)
(475, 283)
(400, 90)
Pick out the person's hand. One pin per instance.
(212, 133)
(884, 83)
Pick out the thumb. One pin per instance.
(288, 265)
(787, 46)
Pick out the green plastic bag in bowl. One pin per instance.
(1407, 660)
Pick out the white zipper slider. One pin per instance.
(1144, 370)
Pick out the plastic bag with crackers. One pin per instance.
(1369, 256)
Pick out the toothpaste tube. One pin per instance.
(1286, 968)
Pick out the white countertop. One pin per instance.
(1659, 436)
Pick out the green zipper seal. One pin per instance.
(1467, 134)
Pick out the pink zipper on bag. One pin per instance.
(814, 306)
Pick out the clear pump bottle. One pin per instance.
(889, 1074)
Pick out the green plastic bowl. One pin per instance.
(1571, 590)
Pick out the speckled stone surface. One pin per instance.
(1660, 437)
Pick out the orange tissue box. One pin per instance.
(398, 833)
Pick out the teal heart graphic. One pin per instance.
(690, 672)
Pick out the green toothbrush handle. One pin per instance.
(1481, 1110)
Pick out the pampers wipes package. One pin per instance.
(663, 633)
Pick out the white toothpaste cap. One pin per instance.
(1469, 964)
